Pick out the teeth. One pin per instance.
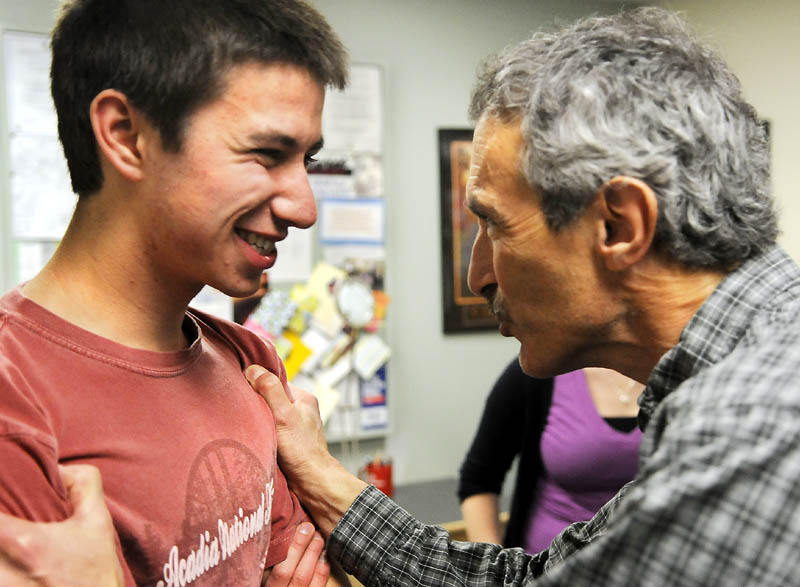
(262, 244)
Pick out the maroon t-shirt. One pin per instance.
(186, 448)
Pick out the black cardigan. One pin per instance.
(512, 424)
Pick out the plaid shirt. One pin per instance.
(717, 498)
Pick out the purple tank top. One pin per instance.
(586, 462)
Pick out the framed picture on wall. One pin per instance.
(462, 311)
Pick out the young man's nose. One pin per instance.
(295, 203)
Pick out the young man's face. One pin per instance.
(216, 208)
(544, 283)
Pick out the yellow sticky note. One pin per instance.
(298, 323)
(297, 356)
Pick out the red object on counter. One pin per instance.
(379, 473)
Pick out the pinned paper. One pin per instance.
(283, 346)
(379, 310)
(340, 345)
(295, 255)
(347, 221)
(371, 353)
(320, 346)
(298, 323)
(304, 297)
(327, 317)
(327, 397)
(336, 372)
(374, 413)
(274, 312)
(331, 184)
(297, 356)
(321, 279)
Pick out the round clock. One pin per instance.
(355, 301)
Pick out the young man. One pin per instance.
(622, 187)
(187, 127)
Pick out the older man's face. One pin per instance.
(542, 285)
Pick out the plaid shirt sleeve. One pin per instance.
(382, 544)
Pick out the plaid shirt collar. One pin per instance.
(720, 323)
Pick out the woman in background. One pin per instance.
(577, 439)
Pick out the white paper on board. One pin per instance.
(352, 221)
(295, 257)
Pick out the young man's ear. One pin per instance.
(628, 210)
(117, 126)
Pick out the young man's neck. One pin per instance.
(96, 281)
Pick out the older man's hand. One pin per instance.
(324, 487)
(78, 551)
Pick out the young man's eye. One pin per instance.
(272, 156)
(308, 160)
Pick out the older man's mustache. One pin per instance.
(495, 305)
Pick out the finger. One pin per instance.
(304, 573)
(269, 387)
(282, 572)
(84, 486)
(322, 572)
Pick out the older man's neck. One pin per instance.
(665, 297)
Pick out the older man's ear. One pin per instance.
(626, 223)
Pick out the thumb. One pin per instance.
(269, 387)
(85, 491)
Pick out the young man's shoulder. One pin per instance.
(249, 347)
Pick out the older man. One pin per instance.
(622, 187)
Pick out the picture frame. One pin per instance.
(462, 310)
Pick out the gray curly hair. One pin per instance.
(637, 94)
